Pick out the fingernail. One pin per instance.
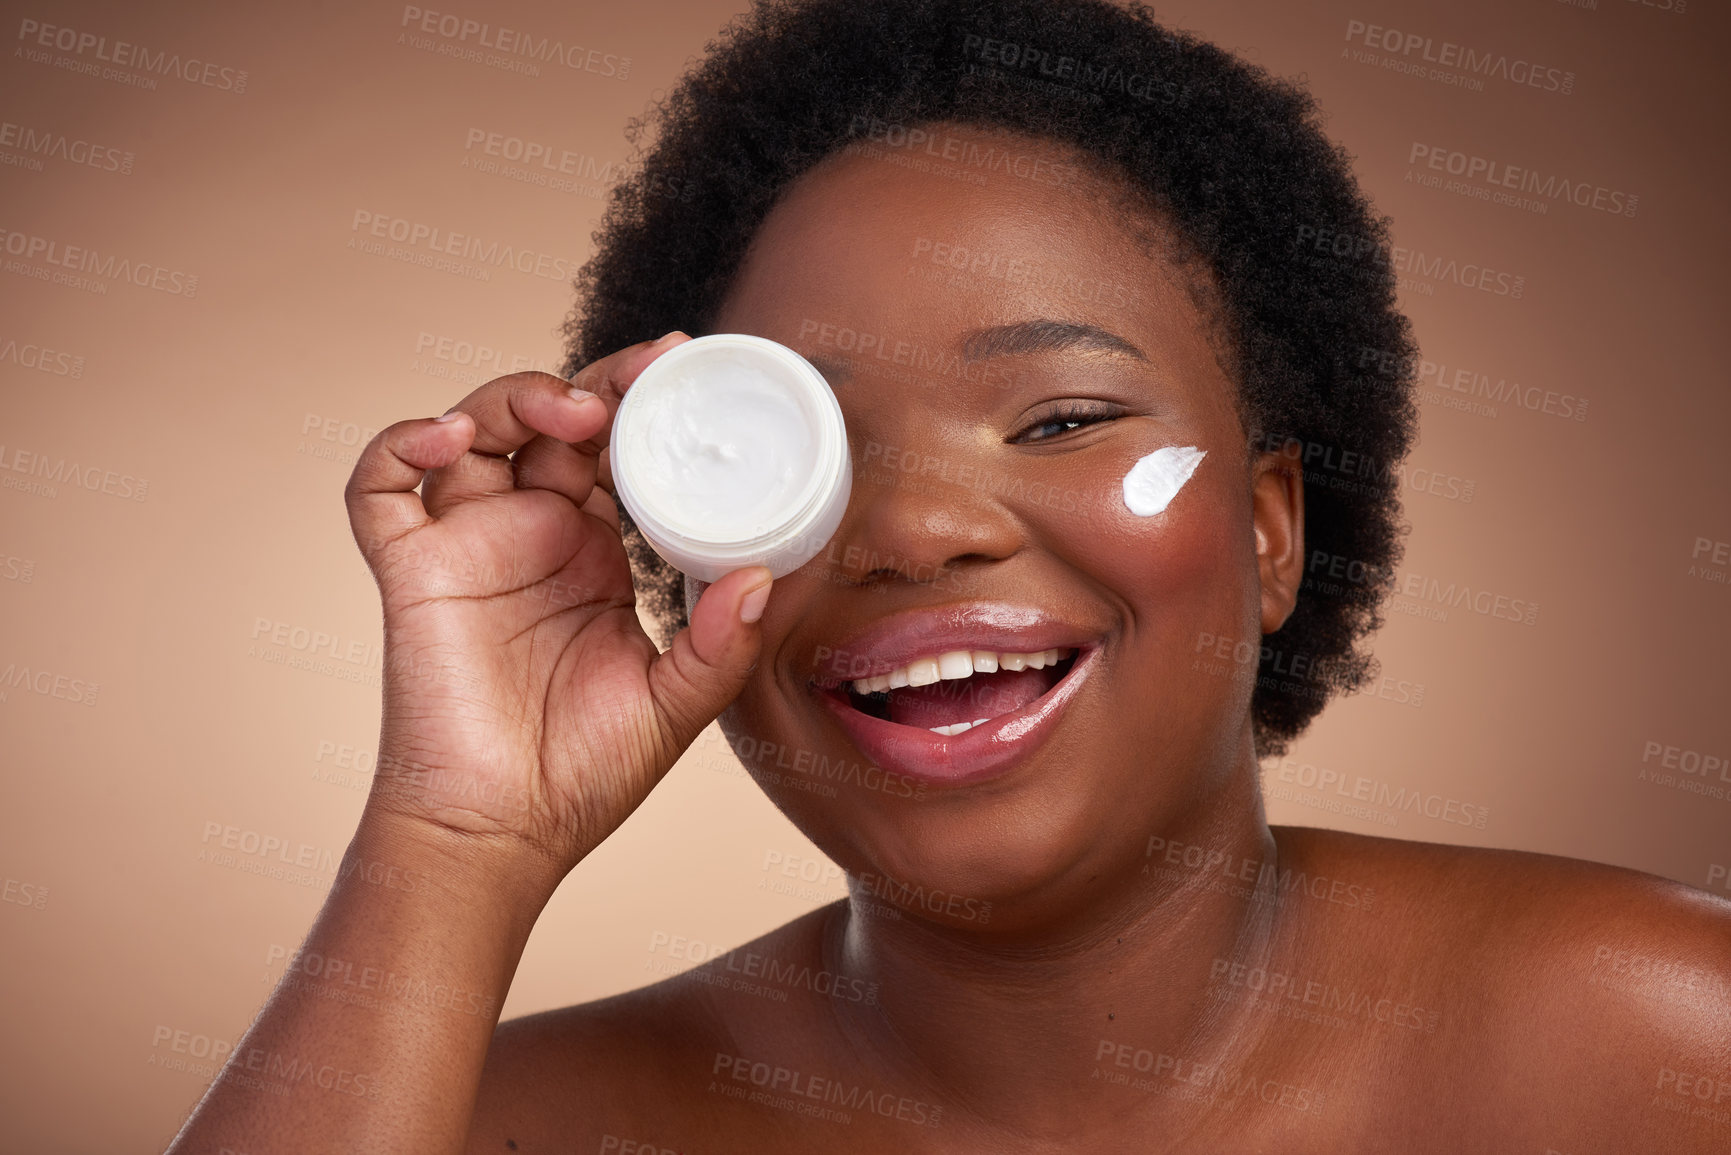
(580, 395)
(751, 605)
(663, 339)
(451, 416)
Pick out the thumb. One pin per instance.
(707, 664)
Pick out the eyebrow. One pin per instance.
(1040, 335)
(1043, 336)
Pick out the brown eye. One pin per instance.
(1063, 421)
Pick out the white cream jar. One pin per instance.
(728, 451)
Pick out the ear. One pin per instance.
(1277, 509)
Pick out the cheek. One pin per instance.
(1186, 579)
(1183, 566)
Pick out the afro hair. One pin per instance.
(1233, 159)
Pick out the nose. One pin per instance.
(923, 517)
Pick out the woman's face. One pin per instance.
(975, 499)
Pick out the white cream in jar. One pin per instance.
(730, 450)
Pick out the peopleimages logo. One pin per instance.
(1468, 61)
(34, 36)
(461, 31)
(56, 471)
(72, 262)
(1457, 595)
(436, 247)
(1501, 175)
(1089, 76)
(41, 358)
(35, 144)
(1347, 252)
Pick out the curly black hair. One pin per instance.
(1234, 160)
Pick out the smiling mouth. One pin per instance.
(956, 697)
(960, 725)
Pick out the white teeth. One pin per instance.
(955, 728)
(922, 671)
(956, 664)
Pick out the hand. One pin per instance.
(523, 703)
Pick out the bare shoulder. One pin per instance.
(566, 1079)
(633, 1067)
(1514, 911)
(1589, 1005)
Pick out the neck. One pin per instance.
(1012, 1027)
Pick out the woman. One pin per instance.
(1030, 245)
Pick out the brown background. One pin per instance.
(242, 407)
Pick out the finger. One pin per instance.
(604, 471)
(508, 413)
(380, 494)
(608, 379)
(551, 464)
(602, 505)
(707, 665)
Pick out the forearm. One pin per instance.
(375, 1037)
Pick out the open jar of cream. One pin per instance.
(728, 451)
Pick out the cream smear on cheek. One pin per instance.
(1155, 479)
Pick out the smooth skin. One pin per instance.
(1431, 998)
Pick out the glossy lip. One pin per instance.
(989, 750)
(892, 642)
